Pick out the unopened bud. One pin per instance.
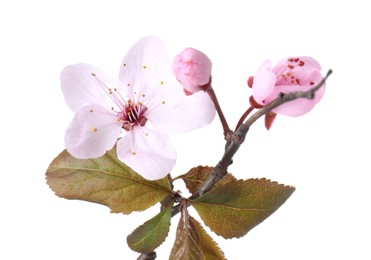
(192, 68)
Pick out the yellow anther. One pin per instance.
(95, 129)
(162, 83)
(144, 66)
(118, 119)
(133, 153)
(143, 95)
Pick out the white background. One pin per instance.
(324, 154)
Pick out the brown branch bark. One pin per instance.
(149, 256)
(236, 138)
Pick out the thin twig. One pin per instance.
(237, 138)
(234, 142)
(243, 117)
(226, 130)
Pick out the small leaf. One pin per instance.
(105, 180)
(238, 206)
(152, 233)
(186, 245)
(197, 175)
(209, 247)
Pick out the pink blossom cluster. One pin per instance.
(136, 111)
(143, 106)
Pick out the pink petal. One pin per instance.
(300, 106)
(145, 68)
(81, 88)
(172, 111)
(92, 132)
(296, 65)
(150, 154)
(193, 69)
(264, 81)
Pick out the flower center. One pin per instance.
(128, 112)
(287, 77)
(132, 115)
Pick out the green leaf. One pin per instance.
(186, 245)
(152, 233)
(235, 208)
(209, 247)
(197, 175)
(104, 180)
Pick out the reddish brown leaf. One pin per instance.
(105, 180)
(197, 175)
(238, 206)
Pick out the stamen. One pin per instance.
(114, 96)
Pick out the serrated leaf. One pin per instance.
(235, 208)
(186, 245)
(152, 233)
(192, 241)
(209, 247)
(104, 180)
(197, 175)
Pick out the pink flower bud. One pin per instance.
(290, 75)
(192, 68)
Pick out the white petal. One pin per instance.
(174, 112)
(150, 154)
(92, 132)
(80, 87)
(145, 68)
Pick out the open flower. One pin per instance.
(140, 108)
(290, 75)
(192, 68)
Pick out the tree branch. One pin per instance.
(235, 140)
(149, 256)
